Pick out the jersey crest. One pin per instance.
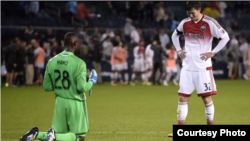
(203, 28)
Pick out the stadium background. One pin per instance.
(129, 105)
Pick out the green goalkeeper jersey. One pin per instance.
(66, 75)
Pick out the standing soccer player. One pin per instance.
(66, 76)
(196, 73)
(149, 54)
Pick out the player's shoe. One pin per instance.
(170, 135)
(51, 135)
(123, 83)
(165, 83)
(175, 82)
(112, 84)
(30, 135)
(147, 83)
(132, 83)
(245, 76)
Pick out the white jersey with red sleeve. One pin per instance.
(198, 39)
(138, 54)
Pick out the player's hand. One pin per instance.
(207, 55)
(14, 65)
(93, 76)
(182, 54)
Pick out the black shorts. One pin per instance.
(9, 68)
(19, 68)
(38, 70)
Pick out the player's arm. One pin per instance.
(81, 77)
(47, 82)
(115, 54)
(175, 38)
(219, 33)
(135, 52)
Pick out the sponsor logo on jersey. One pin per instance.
(194, 36)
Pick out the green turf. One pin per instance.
(123, 113)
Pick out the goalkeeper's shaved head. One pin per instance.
(71, 41)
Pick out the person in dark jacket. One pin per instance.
(10, 61)
(96, 56)
(157, 60)
(20, 63)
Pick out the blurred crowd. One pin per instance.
(24, 58)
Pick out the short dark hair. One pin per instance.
(193, 4)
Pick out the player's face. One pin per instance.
(194, 14)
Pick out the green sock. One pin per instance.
(41, 135)
(66, 137)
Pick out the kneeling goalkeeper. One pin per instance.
(66, 76)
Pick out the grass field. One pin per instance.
(123, 113)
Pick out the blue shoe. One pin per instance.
(30, 135)
(51, 135)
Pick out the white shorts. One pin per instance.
(149, 65)
(139, 66)
(124, 66)
(171, 69)
(201, 81)
(116, 67)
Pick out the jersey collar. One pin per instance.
(199, 19)
(67, 52)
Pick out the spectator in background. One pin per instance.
(28, 32)
(97, 35)
(20, 62)
(82, 11)
(228, 28)
(109, 33)
(161, 17)
(10, 62)
(155, 36)
(233, 58)
(33, 8)
(210, 11)
(149, 9)
(56, 49)
(244, 48)
(50, 37)
(107, 49)
(30, 64)
(174, 24)
(128, 28)
(135, 36)
(39, 60)
(140, 10)
(222, 6)
(23, 8)
(72, 10)
(96, 56)
(235, 26)
(47, 51)
(164, 39)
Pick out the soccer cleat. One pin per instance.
(165, 83)
(175, 82)
(113, 84)
(170, 135)
(132, 83)
(245, 76)
(30, 135)
(51, 135)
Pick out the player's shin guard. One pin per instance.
(209, 108)
(182, 112)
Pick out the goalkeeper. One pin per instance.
(66, 76)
